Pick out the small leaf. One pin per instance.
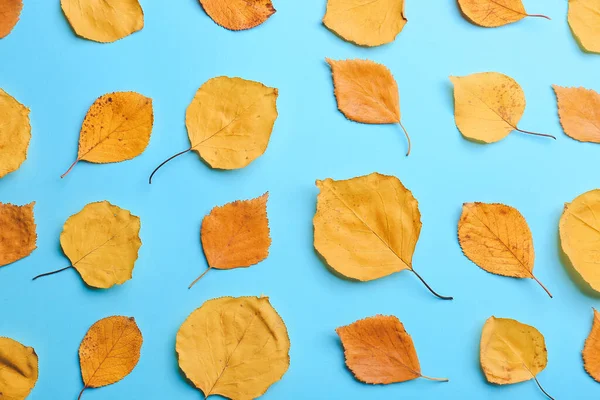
(109, 351)
(10, 12)
(17, 232)
(18, 370)
(591, 350)
(15, 133)
(234, 347)
(579, 112)
(584, 19)
(494, 13)
(238, 15)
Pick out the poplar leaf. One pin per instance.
(15, 133)
(18, 369)
(591, 350)
(494, 13)
(234, 347)
(238, 15)
(584, 20)
(10, 12)
(18, 235)
(579, 112)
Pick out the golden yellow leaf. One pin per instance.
(234, 347)
(109, 351)
(104, 21)
(579, 112)
(236, 235)
(584, 19)
(102, 243)
(379, 350)
(512, 352)
(15, 133)
(17, 232)
(494, 13)
(488, 106)
(497, 238)
(365, 22)
(366, 92)
(591, 350)
(580, 236)
(367, 227)
(238, 15)
(10, 11)
(18, 370)
(117, 128)
(230, 122)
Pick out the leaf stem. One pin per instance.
(429, 287)
(542, 285)
(53, 272)
(539, 16)
(435, 379)
(200, 277)
(542, 389)
(407, 137)
(536, 134)
(166, 161)
(70, 168)
(81, 393)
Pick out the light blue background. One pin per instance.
(46, 67)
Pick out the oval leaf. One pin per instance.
(494, 13)
(18, 369)
(584, 19)
(18, 235)
(238, 15)
(10, 11)
(579, 112)
(15, 133)
(591, 350)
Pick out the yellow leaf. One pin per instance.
(10, 11)
(497, 238)
(15, 133)
(104, 21)
(494, 13)
(512, 352)
(234, 347)
(366, 22)
(591, 350)
(366, 92)
(17, 232)
(580, 236)
(18, 370)
(238, 15)
(367, 227)
(584, 19)
(116, 128)
(488, 106)
(378, 350)
(579, 112)
(109, 351)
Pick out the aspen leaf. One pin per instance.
(229, 122)
(18, 370)
(236, 235)
(591, 350)
(488, 106)
(378, 350)
(104, 21)
(102, 242)
(366, 92)
(237, 15)
(584, 19)
(365, 22)
(367, 227)
(497, 238)
(116, 128)
(109, 351)
(579, 112)
(10, 12)
(494, 13)
(512, 352)
(18, 235)
(234, 347)
(15, 133)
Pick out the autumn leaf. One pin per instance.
(494, 13)
(512, 352)
(116, 128)
(102, 242)
(104, 21)
(219, 360)
(579, 112)
(109, 351)
(497, 238)
(584, 19)
(237, 15)
(15, 133)
(18, 369)
(378, 350)
(366, 92)
(229, 122)
(236, 235)
(18, 235)
(10, 12)
(366, 23)
(591, 350)
(367, 227)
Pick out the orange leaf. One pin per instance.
(10, 11)
(237, 15)
(591, 350)
(579, 112)
(17, 233)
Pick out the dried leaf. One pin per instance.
(234, 347)
(494, 13)
(366, 22)
(497, 238)
(18, 370)
(10, 11)
(237, 15)
(378, 350)
(117, 127)
(104, 21)
(591, 350)
(579, 112)
(584, 19)
(109, 351)
(366, 92)
(512, 352)
(488, 106)
(15, 133)
(17, 232)
(236, 235)
(367, 227)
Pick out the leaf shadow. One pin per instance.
(575, 277)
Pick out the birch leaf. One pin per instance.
(15, 133)
(18, 369)
(591, 350)
(18, 235)
(10, 12)
(584, 19)
(579, 112)
(494, 13)
(238, 15)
